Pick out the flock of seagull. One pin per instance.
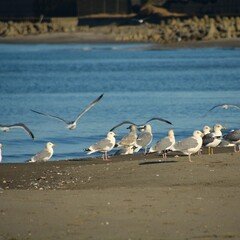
(140, 137)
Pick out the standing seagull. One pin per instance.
(129, 139)
(6, 128)
(0, 152)
(165, 144)
(144, 138)
(234, 137)
(212, 140)
(104, 146)
(190, 145)
(72, 124)
(44, 155)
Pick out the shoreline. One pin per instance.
(100, 38)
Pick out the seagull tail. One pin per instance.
(152, 150)
(89, 150)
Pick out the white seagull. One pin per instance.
(189, 145)
(72, 124)
(212, 140)
(104, 146)
(164, 145)
(44, 155)
(144, 138)
(129, 139)
(6, 128)
(224, 106)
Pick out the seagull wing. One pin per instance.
(216, 106)
(24, 127)
(159, 119)
(88, 108)
(52, 116)
(122, 123)
(234, 106)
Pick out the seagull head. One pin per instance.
(146, 128)
(218, 127)
(171, 133)
(132, 128)
(198, 134)
(111, 134)
(50, 145)
(206, 129)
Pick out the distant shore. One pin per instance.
(172, 33)
(142, 198)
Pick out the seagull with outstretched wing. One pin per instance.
(72, 124)
(158, 119)
(6, 128)
(223, 106)
(122, 123)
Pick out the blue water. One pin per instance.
(139, 83)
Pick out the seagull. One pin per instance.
(144, 138)
(212, 140)
(44, 155)
(104, 146)
(234, 138)
(129, 139)
(224, 106)
(165, 144)
(0, 152)
(132, 123)
(6, 128)
(189, 145)
(72, 124)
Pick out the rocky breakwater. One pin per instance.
(166, 31)
(176, 29)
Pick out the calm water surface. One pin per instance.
(179, 85)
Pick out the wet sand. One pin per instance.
(141, 198)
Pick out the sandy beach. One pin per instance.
(137, 197)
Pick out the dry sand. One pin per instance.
(140, 198)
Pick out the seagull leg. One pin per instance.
(212, 151)
(189, 157)
(145, 151)
(209, 150)
(235, 148)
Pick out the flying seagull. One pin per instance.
(44, 155)
(223, 106)
(72, 124)
(6, 128)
